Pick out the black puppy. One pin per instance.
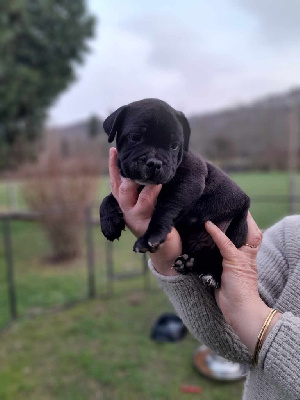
(152, 144)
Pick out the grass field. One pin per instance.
(99, 349)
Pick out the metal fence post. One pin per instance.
(110, 267)
(9, 267)
(90, 254)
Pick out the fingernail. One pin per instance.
(208, 223)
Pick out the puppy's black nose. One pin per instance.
(154, 164)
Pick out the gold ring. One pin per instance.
(251, 245)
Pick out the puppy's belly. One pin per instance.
(195, 237)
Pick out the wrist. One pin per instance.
(165, 257)
(162, 263)
(251, 321)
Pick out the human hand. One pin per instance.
(137, 210)
(238, 297)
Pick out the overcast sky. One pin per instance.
(197, 55)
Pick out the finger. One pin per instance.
(114, 173)
(128, 194)
(254, 235)
(148, 198)
(225, 245)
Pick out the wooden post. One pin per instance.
(12, 196)
(9, 267)
(90, 254)
(110, 267)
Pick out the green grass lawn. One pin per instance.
(99, 349)
(257, 185)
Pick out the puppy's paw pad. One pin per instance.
(209, 281)
(183, 264)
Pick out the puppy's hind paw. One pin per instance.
(184, 264)
(209, 281)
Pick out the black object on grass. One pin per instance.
(168, 328)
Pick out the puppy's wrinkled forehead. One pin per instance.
(157, 125)
(149, 115)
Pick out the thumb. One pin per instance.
(224, 244)
(148, 197)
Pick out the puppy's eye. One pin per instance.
(135, 137)
(174, 146)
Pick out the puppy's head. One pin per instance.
(151, 137)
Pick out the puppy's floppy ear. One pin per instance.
(186, 129)
(112, 123)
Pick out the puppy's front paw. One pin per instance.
(112, 226)
(144, 244)
(184, 264)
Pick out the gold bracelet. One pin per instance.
(262, 335)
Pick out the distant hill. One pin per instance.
(255, 133)
(243, 137)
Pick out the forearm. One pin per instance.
(199, 311)
(165, 257)
(246, 325)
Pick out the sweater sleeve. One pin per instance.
(280, 355)
(197, 307)
(199, 311)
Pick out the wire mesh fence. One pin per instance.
(30, 284)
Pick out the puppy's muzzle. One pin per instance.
(149, 171)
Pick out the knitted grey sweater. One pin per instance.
(277, 375)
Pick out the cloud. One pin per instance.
(193, 58)
(175, 48)
(278, 19)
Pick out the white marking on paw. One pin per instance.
(185, 256)
(208, 280)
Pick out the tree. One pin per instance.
(94, 126)
(41, 41)
(222, 148)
